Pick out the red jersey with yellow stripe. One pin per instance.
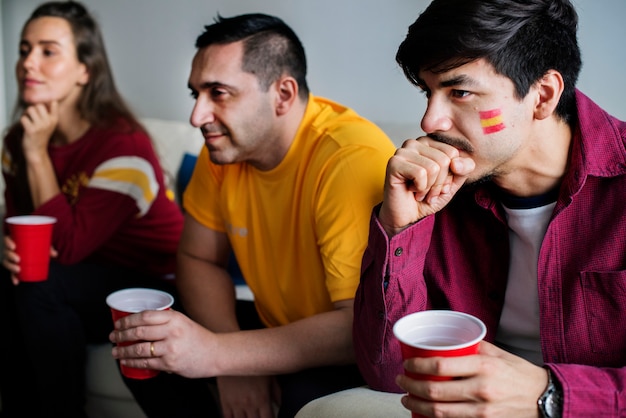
(113, 206)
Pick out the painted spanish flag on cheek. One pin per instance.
(491, 121)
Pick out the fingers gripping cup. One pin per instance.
(32, 235)
(128, 301)
(438, 334)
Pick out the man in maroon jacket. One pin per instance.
(511, 208)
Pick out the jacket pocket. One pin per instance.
(604, 294)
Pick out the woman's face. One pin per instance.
(48, 69)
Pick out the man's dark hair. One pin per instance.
(271, 48)
(522, 39)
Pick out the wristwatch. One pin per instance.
(550, 403)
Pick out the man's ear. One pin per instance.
(287, 93)
(549, 90)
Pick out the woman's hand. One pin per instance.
(11, 260)
(39, 122)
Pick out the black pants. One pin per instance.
(45, 328)
(298, 389)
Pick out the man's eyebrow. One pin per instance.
(455, 81)
(209, 85)
(460, 80)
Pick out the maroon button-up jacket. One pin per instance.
(458, 259)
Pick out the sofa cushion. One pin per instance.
(172, 141)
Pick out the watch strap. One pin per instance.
(550, 403)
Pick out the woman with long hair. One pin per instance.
(77, 153)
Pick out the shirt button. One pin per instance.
(398, 252)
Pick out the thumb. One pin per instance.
(462, 166)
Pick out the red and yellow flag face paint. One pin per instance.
(491, 121)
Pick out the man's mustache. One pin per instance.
(457, 143)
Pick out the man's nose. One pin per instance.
(437, 117)
(203, 112)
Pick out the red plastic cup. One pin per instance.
(128, 301)
(438, 334)
(32, 235)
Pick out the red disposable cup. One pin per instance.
(438, 334)
(129, 301)
(32, 235)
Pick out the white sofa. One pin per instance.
(107, 396)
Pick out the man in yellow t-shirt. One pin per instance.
(287, 181)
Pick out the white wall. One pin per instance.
(3, 109)
(350, 46)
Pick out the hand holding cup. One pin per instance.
(31, 238)
(436, 333)
(128, 301)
